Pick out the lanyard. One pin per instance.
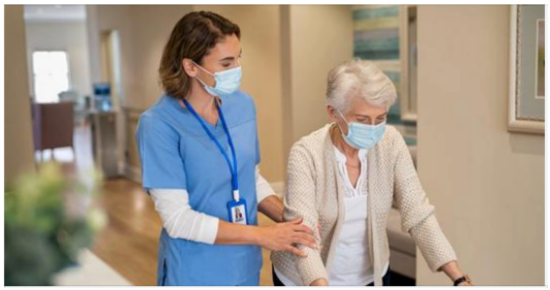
(234, 173)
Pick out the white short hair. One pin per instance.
(359, 78)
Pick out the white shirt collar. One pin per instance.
(362, 153)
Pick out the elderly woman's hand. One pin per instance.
(466, 283)
(282, 236)
(453, 271)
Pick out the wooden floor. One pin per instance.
(129, 243)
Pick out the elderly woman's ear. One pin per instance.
(332, 113)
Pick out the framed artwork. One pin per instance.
(527, 69)
(379, 36)
(409, 63)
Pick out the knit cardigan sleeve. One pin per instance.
(418, 215)
(300, 202)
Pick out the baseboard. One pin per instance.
(121, 168)
(132, 173)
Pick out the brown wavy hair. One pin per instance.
(192, 37)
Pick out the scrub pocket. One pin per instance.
(161, 269)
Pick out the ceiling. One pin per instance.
(55, 12)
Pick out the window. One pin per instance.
(50, 75)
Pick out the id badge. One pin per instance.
(237, 211)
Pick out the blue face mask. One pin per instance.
(363, 136)
(227, 82)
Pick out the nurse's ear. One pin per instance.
(189, 67)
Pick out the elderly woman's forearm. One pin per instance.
(272, 207)
(452, 270)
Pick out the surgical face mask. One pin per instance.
(363, 136)
(227, 82)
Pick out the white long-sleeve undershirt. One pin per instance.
(181, 221)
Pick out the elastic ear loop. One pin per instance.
(342, 131)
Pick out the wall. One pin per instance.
(317, 38)
(379, 36)
(104, 18)
(18, 150)
(487, 184)
(151, 27)
(66, 36)
(260, 30)
(101, 19)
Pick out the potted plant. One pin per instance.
(49, 218)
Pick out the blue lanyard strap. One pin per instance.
(234, 173)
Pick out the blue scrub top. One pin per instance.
(176, 153)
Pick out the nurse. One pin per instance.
(199, 153)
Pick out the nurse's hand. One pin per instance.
(282, 236)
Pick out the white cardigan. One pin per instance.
(314, 191)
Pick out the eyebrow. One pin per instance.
(231, 57)
(366, 116)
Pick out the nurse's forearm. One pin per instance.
(236, 234)
(278, 237)
(272, 207)
(268, 237)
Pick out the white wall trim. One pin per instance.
(121, 168)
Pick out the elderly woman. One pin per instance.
(343, 179)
